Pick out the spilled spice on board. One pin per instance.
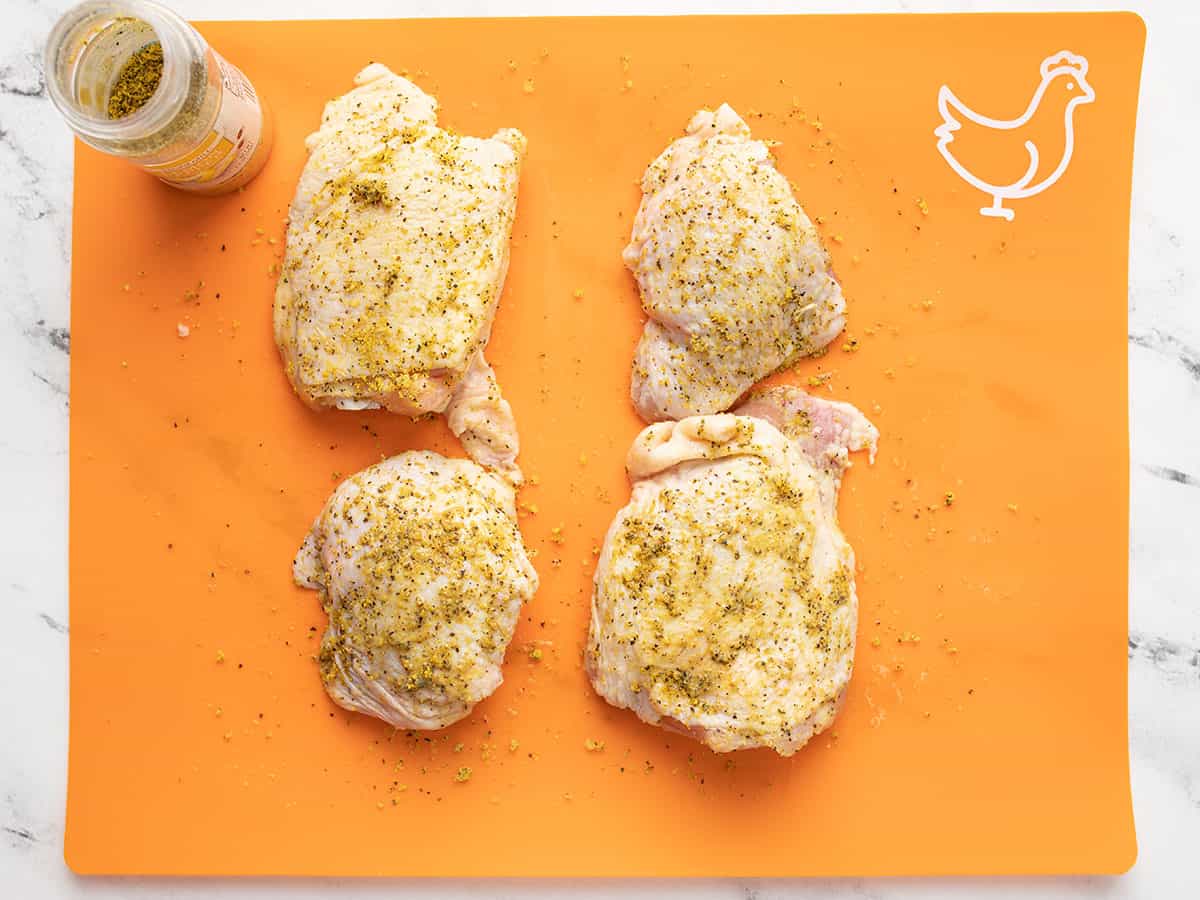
(136, 82)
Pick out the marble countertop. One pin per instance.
(1164, 359)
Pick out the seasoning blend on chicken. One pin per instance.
(397, 249)
(731, 271)
(724, 604)
(422, 571)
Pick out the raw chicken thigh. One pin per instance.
(731, 271)
(397, 248)
(724, 604)
(422, 571)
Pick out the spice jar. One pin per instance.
(135, 80)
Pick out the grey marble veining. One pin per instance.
(1164, 354)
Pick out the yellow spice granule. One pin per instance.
(463, 774)
(528, 87)
(220, 656)
(593, 746)
(535, 654)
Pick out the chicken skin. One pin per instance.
(724, 604)
(422, 572)
(397, 249)
(732, 274)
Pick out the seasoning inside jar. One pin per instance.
(136, 82)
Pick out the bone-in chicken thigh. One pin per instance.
(422, 571)
(397, 249)
(724, 604)
(733, 278)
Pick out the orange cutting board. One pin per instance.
(985, 727)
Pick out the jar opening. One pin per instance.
(113, 69)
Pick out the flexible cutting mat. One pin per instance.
(985, 728)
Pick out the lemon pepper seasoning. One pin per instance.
(137, 81)
(133, 79)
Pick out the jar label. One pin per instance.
(222, 154)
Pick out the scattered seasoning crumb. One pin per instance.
(534, 481)
(593, 746)
(556, 534)
(583, 459)
(628, 84)
(536, 654)
(839, 238)
(577, 293)
(182, 330)
(850, 346)
(927, 305)
(949, 498)
(463, 774)
(458, 748)
(527, 87)
(1012, 507)
(220, 656)
(228, 735)
(513, 745)
(512, 65)
(856, 259)
(819, 380)
(923, 206)
(951, 649)
(219, 712)
(259, 231)
(875, 642)
(126, 287)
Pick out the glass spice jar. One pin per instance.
(135, 80)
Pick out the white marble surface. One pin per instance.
(1164, 353)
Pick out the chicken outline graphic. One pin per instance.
(1062, 65)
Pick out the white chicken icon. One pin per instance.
(1010, 158)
